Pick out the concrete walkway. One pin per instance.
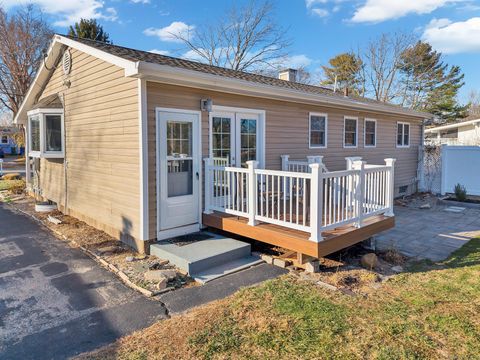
(56, 302)
(430, 233)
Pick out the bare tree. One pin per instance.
(474, 104)
(23, 38)
(382, 59)
(249, 39)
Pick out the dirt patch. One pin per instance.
(109, 251)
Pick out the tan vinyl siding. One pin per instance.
(286, 132)
(102, 146)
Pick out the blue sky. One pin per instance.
(319, 29)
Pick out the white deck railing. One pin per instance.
(312, 201)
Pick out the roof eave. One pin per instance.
(193, 78)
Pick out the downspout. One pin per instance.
(65, 162)
(421, 154)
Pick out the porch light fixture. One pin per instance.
(206, 105)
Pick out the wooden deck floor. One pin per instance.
(295, 240)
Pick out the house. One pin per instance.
(146, 147)
(7, 139)
(461, 133)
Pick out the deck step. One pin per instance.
(200, 256)
(226, 269)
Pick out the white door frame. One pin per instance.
(188, 228)
(230, 111)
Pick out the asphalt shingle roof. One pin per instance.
(145, 56)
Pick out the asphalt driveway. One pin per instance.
(55, 301)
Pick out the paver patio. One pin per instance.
(430, 233)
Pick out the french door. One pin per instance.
(235, 138)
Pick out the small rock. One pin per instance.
(140, 257)
(425, 206)
(162, 284)
(397, 269)
(154, 275)
(312, 267)
(369, 261)
(326, 286)
(158, 264)
(280, 263)
(129, 259)
(108, 249)
(267, 258)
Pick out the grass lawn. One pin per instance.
(430, 312)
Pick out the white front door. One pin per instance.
(235, 138)
(178, 169)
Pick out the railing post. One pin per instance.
(390, 162)
(252, 192)
(316, 201)
(350, 160)
(284, 162)
(360, 190)
(208, 185)
(316, 159)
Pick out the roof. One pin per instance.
(49, 102)
(153, 58)
(151, 66)
(452, 126)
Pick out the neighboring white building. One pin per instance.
(462, 133)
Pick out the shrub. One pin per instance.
(12, 176)
(460, 192)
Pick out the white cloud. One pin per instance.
(380, 10)
(320, 12)
(160, 52)
(454, 37)
(169, 32)
(311, 3)
(70, 11)
(140, 1)
(296, 61)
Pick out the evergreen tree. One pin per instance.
(89, 29)
(429, 84)
(345, 71)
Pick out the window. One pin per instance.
(350, 132)
(318, 130)
(403, 134)
(45, 133)
(4, 139)
(370, 135)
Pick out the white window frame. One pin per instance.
(403, 123)
(43, 153)
(345, 118)
(365, 133)
(310, 146)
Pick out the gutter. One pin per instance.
(193, 78)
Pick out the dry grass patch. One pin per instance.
(429, 312)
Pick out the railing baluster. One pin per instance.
(304, 215)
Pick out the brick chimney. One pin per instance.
(288, 74)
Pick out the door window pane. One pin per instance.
(179, 161)
(370, 133)
(221, 140)
(248, 140)
(179, 139)
(53, 133)
(180, 177)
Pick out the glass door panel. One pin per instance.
(179, 159)
(247, 128)
(222, 140)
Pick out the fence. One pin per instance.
(312, 201)
(442, 167)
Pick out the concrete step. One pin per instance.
(200, 256)
(226, 269)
